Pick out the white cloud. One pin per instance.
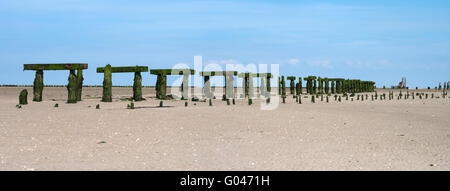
(293, 61)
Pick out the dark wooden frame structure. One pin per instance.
(107, 81)
(161, 81)
(74, 86)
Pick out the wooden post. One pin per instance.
(245, 85)
(229, 86)
(207, 87)
(72, 87)
(292, 83)
(38, 86)
(107, 84)
(137, 87)
(163, 87)
(262, 87)
(23, 97)
(279, 85)
(80, 84)
(158, 86)
(283, 87)
(300, 84)
(315, 86)
(185, 93)
(320, 80)
(333, 87)
(251, 90)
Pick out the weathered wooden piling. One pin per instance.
(320, 81)
(300, 82)
(38, 86)
(327, 85)
(207, 87)
(137, 87)
(283, 89)
(23, 97)
(292, 84)
(80, 80)
(72, 87)
(107, 84)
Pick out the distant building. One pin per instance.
(402, 84)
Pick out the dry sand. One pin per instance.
(369, 135)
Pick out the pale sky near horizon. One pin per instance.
(379, 40)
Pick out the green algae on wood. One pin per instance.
(23, 97)
(80, 84)
(38, 86)
(107, 84)
(72, 87)
(292, 84)
(60, 66)
(137, 87)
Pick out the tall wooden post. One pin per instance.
(229, 85)
(185, 86)
(283, 87)
(292, 84)
(251, 90)
(333, 87)
(107, 84)
(262, 86)
(300, 84)
(72, 87)
(207, 87)
(80, 84)
(137, 87)
(38, 86)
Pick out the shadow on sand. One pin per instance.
(152, 107)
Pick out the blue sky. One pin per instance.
(369, 40)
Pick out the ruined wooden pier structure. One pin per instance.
(74, 86)
(161, 81)
(107, 81)
(229, 83)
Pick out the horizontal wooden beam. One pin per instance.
(58, 66)
(336, 79)
(217, 73)
(291, 78)
(310, 78)
(171, 71)
(269, 75)
(123, 69)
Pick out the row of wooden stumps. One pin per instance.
(318, 85)
(107, 81)
(74, 86)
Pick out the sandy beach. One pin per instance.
(348, 135)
